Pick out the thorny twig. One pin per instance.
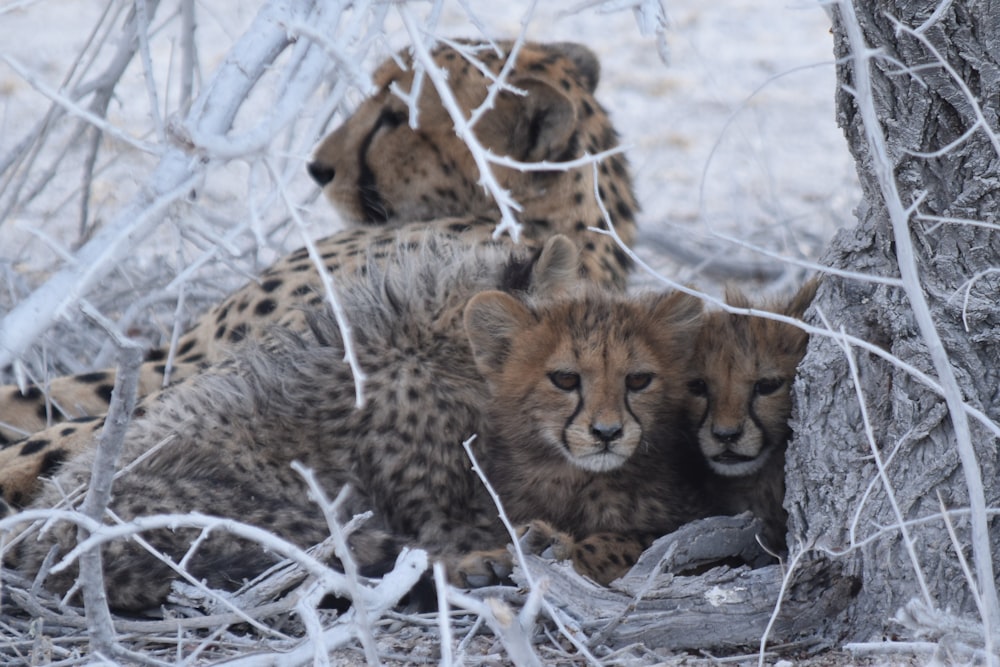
(343, 323)
(463, 128)
(343, 551)
(109, 447)
(535, 587)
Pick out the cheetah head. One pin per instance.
(740, 393)
(581, 380)
(393, 162)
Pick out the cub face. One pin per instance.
(591, 409)
(582, 380)
(740, 392)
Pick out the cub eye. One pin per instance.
(565, 380)
(767, 386)
(698, 387)
(638, 381)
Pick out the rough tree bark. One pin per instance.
(944, 155)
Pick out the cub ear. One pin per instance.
(492, 322)
(557, 268)
(798, 304)
(533, 127)
(678, 313)
(736, 298)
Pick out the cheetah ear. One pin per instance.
(678, 312)
(587, 65)
(534, 127)
(492, 322)
(736, 298)
(557, 267)
(798, 304)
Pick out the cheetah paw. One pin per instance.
(477, 569)
(542, 539)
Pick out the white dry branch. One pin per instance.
(411, 562)
(463, 126)
(19, 163)
(174, 177)
(198, 141)
(331, 511)
(329, 289)
(883, 476)
(379, 599)
(536, 588)
(650, 16)
(109, 446)
(444, 625)
(181, 167)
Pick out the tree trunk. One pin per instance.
(943, 165)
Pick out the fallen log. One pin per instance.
(674, 598)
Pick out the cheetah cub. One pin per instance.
(584, 396)
(740, 401)
(222, 442)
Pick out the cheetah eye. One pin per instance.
(638, 381)
(392, 118)
(767, 386)
(565, 380)
(697, 387)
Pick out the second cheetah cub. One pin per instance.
(740, 402)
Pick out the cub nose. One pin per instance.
(606, 432)
(321, 173)
(727, 434)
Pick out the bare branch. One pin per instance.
(350, 356)
(422, 55)
(109, 447)
(177, 172)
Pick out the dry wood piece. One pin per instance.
(656, 605)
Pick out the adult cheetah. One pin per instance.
(397, 181)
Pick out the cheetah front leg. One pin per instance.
(603, 557)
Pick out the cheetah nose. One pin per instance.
(727, 434)
(606, 432)
(321, 173)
